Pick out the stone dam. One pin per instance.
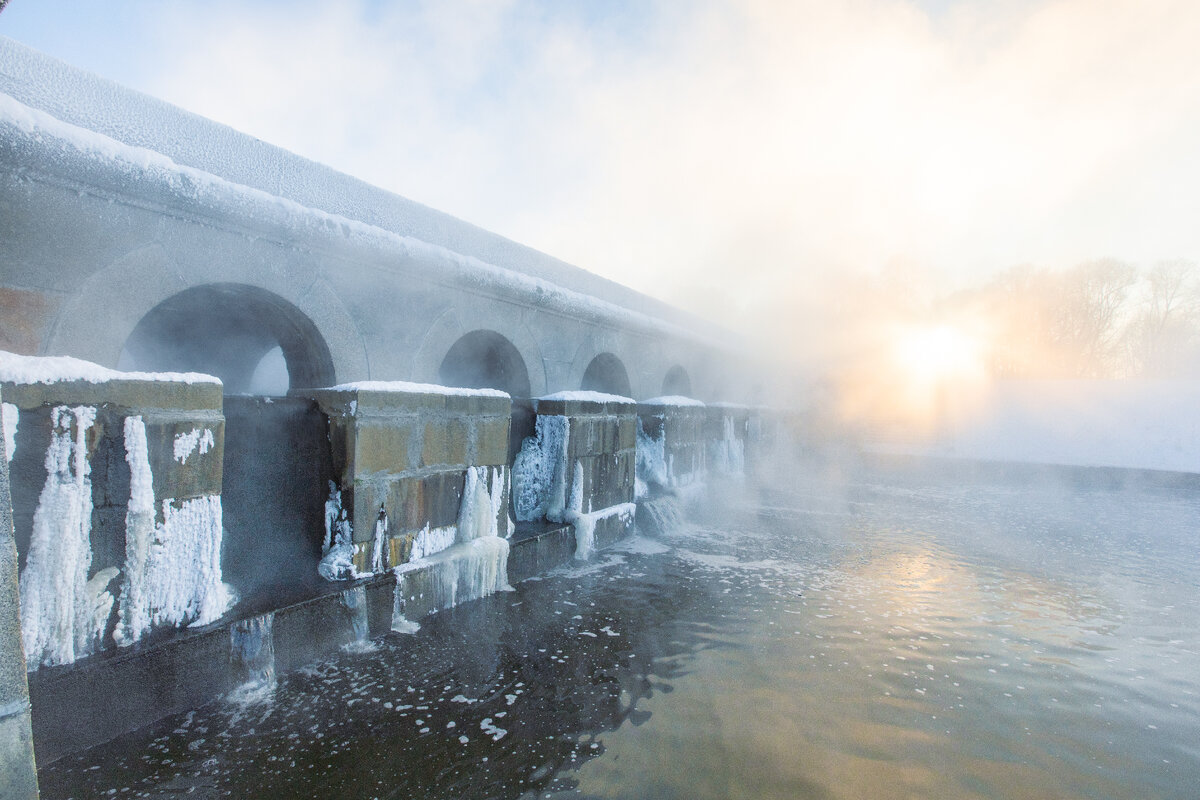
(255, 410)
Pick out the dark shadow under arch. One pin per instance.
(605, 373)
(677, 383)
(226, 329)
(485, 359)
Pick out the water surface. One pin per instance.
(880, 635)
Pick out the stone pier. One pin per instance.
(677, 427)
(401, 452)
(18, 775)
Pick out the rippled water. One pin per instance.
(884, 635)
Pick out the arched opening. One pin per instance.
(276, 460)
(676, 383)
(485, 360)
(253, 340)
(606, 374)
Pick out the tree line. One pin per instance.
(1098, 319)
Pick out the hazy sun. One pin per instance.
(939, 353)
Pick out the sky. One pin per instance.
(737, 158)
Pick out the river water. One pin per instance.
(864, 634)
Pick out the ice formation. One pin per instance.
(58, 615)
(539, 480)
(651, 466)
(10, 416)
(585, 526)
(379, 543)
(476, 565)
(337, 560)
(432, 540)
(187, 443)
(172, 566)
(479, 514)
(729, 454)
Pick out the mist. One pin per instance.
(731, 158)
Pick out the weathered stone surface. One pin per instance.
(491, 440)
(18, 775)
(132, 394)
(192, 475)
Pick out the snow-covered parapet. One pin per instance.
(578, 467)
(407, 457)
(115, 552)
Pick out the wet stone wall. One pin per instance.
(406, 454)
(18, 776)
(601, 458)
(683, 429)
(73, 459)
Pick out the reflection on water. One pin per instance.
(887, 637)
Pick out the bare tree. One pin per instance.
(1165, 326)
(1087, 321)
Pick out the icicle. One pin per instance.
(173, 567)
(57, 612)
(10, 415)
(379, 547)
(539, 473)
(651, 465)
(337, 561)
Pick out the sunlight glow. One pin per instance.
(938, 354)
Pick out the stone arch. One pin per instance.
(228, 330)
(606, 373)
(677, 382)
(160, 272)
(485, 359)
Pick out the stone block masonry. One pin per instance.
(579, 467)
(400, 455)
(116, 500)
(679, 427)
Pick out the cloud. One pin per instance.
(734, 156)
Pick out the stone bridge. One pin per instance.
(403, 400)
(134, 234)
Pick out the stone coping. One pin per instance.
(353, 401)
(584, 407)
(128, 393)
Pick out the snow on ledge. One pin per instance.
(204, 187)
(415, 388)
(672, 400)
(587, 397)
(24, 370)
